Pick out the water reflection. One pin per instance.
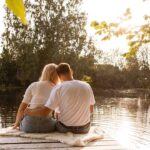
(8, 107)
(125, 119)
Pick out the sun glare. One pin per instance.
(106, 10)
(110, 11)
(1, 20)
(123, 133)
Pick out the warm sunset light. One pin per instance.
(124, 131)
(107, 10)
(112, 10)
(75, 74)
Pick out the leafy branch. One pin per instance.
(136, 36)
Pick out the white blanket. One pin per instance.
(71, 139)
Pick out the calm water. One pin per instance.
(125, 119)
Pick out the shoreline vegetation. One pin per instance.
(56, 33)
(122, 93)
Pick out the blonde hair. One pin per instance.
(49, 73)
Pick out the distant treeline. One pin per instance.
(99, 76)
(108, 76)
(56, 33)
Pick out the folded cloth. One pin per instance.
(69, 138)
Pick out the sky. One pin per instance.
(104, 10)
(2, 12)
(110, 10)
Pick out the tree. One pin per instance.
(8, 70)
(55, 33)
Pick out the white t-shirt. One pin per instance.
(37, 93)
(73, 98)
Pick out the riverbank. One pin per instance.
(130, 93)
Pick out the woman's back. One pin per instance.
(35, 96)
(37, 93)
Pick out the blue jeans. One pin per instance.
(31, 124)
(77, 130)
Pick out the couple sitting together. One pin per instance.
(71, 101)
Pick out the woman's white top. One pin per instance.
(38, 93)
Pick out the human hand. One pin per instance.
(26, 111)
(15, 126)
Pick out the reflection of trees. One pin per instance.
(148, 116)
(8, 108)
(137, 107)
(143, 112)
(135, 104)
(128, 119)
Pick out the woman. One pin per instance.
(35, 96)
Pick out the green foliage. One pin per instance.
(133, 73)
(87, 79)
(111, 77)
(55, 33)
(137, 36)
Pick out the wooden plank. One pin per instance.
(73, 148)
(58, 145)
(55, 146)
(17, 143)
(69, 148)
(98, 142)
(21, 140)
(14, 140)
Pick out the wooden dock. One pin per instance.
(18, 143)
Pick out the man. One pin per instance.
(73, 98)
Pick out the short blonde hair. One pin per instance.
(49, 73)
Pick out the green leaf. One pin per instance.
(94, 23)
(99, 32)
(130, 37)
(132, 43)
(17, 7)
(107, 37)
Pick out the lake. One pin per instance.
(125, 119)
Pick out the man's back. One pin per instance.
(73, 98)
